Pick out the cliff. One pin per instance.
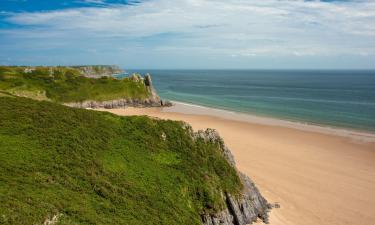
(97, 71)
(153, 99)
(80, 86)
(90, 71)
(239, 210)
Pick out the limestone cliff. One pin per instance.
(98, 71)
(152, 101)
(241, 210)
(91, 71)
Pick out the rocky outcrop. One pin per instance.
(150, 88)
(98, 71)
(94, 71)
(118, 103)
(152, 101)
(247, 208)
(53, 220)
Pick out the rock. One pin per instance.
(165, 103)
(163, 136)
(118, 103)
(222, 218)
(135, 77)
(99, 71)
(246, 209)
(29, 69)
(53, 220)
(276, 205)
(148, 83)
(152, 101)
(212, 135)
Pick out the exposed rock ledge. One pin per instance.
(245, 210)
(119, 103)
(97, 71)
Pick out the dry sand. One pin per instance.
(317, 175)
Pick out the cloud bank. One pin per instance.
(197, 33)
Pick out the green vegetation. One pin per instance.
(67, 84)
(93, 167)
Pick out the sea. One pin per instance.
(334, 98)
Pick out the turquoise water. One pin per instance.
(334, 98)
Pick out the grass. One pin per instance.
(98, 168)
(65, 84)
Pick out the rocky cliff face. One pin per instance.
(95, 71)
(118, 103)
(246, 209)
(153, 101)
(98, 71)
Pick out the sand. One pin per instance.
(317, 175)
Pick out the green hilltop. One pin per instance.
(71, 84)
(78, 166)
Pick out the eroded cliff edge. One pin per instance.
(97, 71)
(240, 210)
(153, 100)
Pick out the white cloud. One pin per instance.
(230, 27)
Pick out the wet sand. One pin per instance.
(317, 175)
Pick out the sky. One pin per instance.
(190, 34)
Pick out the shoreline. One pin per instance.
(316, 177)
(189, 108)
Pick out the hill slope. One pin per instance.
(71, 84)
(79, 166)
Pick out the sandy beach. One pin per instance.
(317, 175)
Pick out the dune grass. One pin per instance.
(88, 167)
(66, 84)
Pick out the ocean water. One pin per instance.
(333, 98)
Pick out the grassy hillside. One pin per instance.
(66, 84)
(91, 167)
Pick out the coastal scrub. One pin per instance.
(80, 166)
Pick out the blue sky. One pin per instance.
(190, 34)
